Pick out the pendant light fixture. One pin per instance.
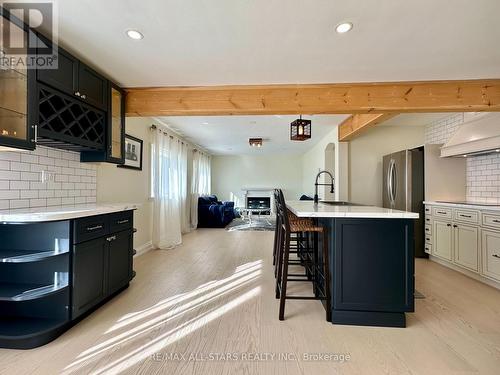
(300, 130)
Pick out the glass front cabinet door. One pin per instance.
(17, 128)
(116, 133)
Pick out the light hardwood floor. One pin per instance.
(215, 295)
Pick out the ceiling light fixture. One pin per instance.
(343, 27)
(255, 142)
(134, 34)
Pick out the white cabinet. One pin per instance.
(443, 240)
(464, 237)
(491, 254)
(466, 246)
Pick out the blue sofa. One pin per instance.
(214, 214)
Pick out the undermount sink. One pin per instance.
(340, 203)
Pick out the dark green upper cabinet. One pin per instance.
(17, 126)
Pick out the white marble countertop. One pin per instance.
(40, 214)
(309, 209)
(471, 205)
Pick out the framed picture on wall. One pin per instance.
(133, 153)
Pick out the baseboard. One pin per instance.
(466, 272)
(143, 249)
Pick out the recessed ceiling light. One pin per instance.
(204, 123)
(343, 27)
(134, 34)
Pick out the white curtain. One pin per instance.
(169, 169)
(200, 182)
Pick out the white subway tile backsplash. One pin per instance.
(9, 194)
(28, 194)
(20, 179)
(9, 175)
(11, 156)
(17, 166)
(483, 172)
(17, 203)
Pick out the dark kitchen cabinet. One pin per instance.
(76, 79)
(63, 78)
(92, 87)
(17, 125)
(120, 255)
(114, 150)
(89, 275)
(102, 258)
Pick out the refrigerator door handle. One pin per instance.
(390, 182)
(394, 183)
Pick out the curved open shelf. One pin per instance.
(23, 256)
(27, 332)
(25, 292)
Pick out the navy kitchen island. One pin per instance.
(371, 261)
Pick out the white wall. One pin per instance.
(120, 185)
(232, 173)
(365, 158)
(314, 161)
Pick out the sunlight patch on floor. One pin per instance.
(207, 293)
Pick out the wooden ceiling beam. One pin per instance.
(355, 124)
(336, 98)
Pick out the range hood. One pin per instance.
(479, 134)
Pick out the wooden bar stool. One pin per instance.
(318, 269)
(298, 243)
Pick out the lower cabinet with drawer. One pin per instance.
(102, 259)
(467, 238)
(491, 254)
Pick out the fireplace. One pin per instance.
(259, 202)
(254, 195)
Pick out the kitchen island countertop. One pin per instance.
(309, 209)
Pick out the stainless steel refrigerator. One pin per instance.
(403, 188)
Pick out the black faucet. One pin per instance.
(316, 184)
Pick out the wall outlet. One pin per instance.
(46, 176)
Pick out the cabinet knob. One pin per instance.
(83, 96)
(448, 225)
(455, 226)
(77, 93)
(112, 238)
(495, 255)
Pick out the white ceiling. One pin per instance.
(228, 135)
(210, 42)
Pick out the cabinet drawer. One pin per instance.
(428, 230)
(491, 220)
(491, 254)
(428, 248)
(121, 221)
(442, 212)
(466, 215)
(428, 239)
(88, 228)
